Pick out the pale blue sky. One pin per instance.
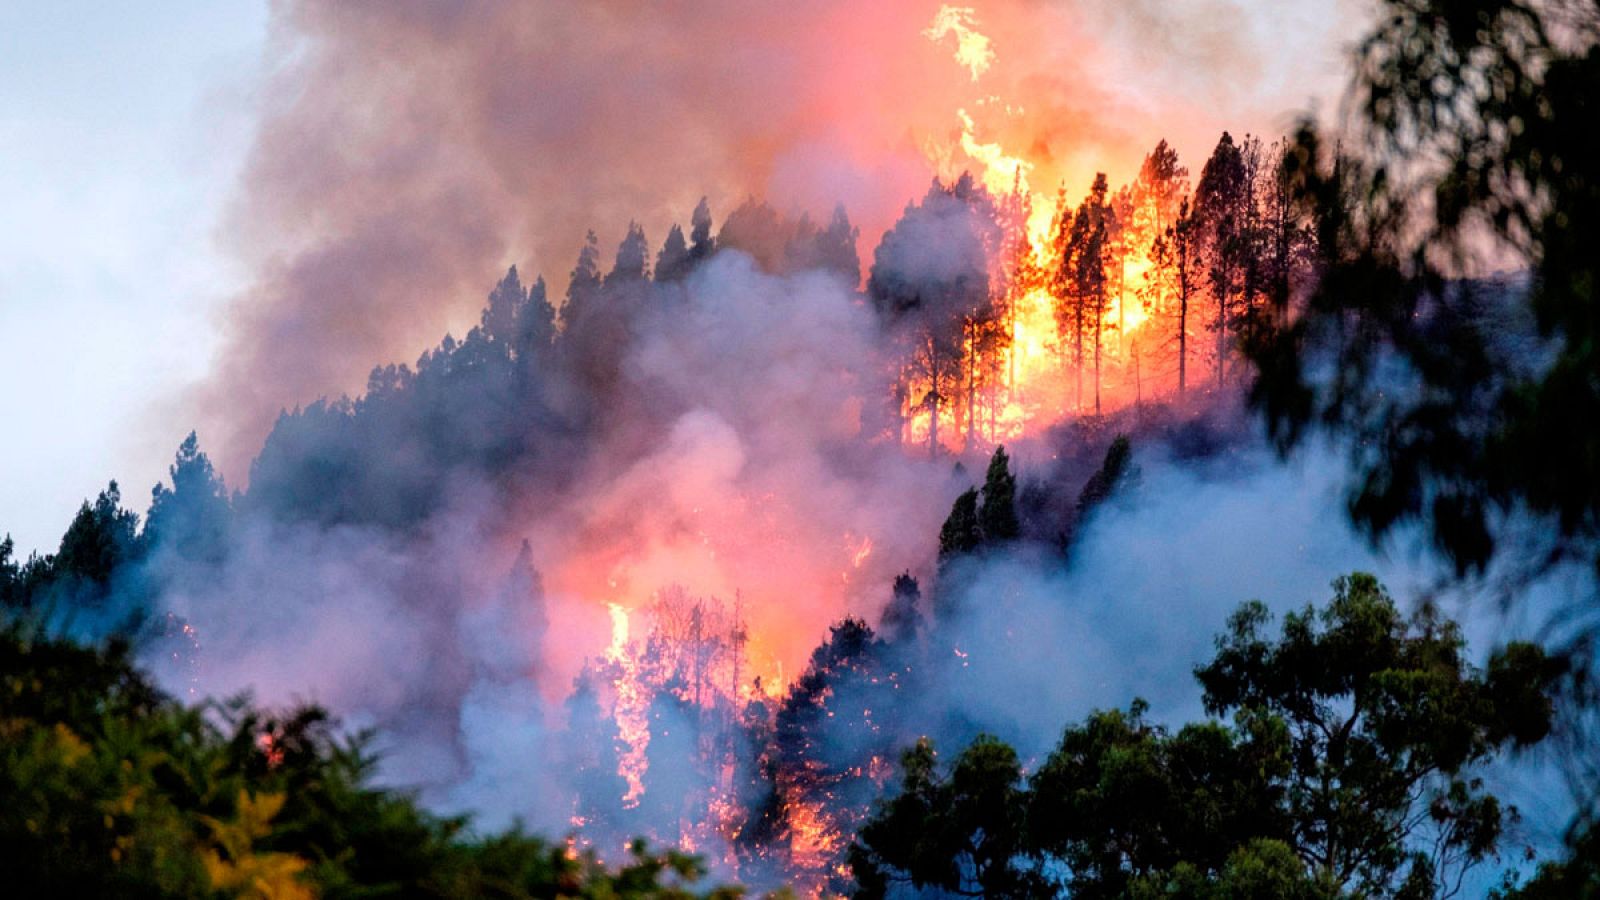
(120, 135)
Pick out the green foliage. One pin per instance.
(191, 518)
(1116, 470)
(1345, 768)
(998, 516)
(1463, 401)
(961, 533)
(1121, 799)
(1262, 869)
(113, 789)
(101, 536)
(961, 833)
(972, 526)
(1385, 719)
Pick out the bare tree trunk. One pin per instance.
(1138, 383)
(933, 399)
(1099, 329)
(1222, 325)
(1183, 335)
(972, 384)
(1077, 351)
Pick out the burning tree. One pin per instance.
(1222, 205)
(930, 283)
(831, 738)
(1080, 283)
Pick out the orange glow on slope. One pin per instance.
(1040, 374)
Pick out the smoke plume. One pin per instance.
(406, 149)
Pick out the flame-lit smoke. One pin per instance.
(407, 149)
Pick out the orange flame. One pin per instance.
(973, 48)
(632, 708)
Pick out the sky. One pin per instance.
(120, 137)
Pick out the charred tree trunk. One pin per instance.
(1099, 329)
(972, 381)
(1077, 350)
(932, 400)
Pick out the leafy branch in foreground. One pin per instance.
(114, 789)
(1347, 766)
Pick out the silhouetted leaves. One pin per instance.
(1348, 767)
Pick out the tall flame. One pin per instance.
(632, 708)
(973, 48)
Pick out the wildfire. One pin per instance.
(268, 745)
(1073, 323)
(859, 551)
(632, 709)
(619, 632)
(1002, 172)
(1037, 363)
(815, 838)
(973, 48)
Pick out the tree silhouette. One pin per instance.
(673, 262)
(997, 518)
(633, 258)
(193, 517)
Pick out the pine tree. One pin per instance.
(1219, 213)
(522, 594)
(700, 243)
(633, 258)
(673, 262)
(505, 306)
(585, 280)
(836, 246)
(757, 229)
(1179, 247)
(1285, 237)
(100, 538)
(536, 322)
(928, 308)
(997, 519)
(1115, 471)
(961, 533)
(190, 519)
(594, 739)
(1082, 277)
(902, 618)
(800, 246)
